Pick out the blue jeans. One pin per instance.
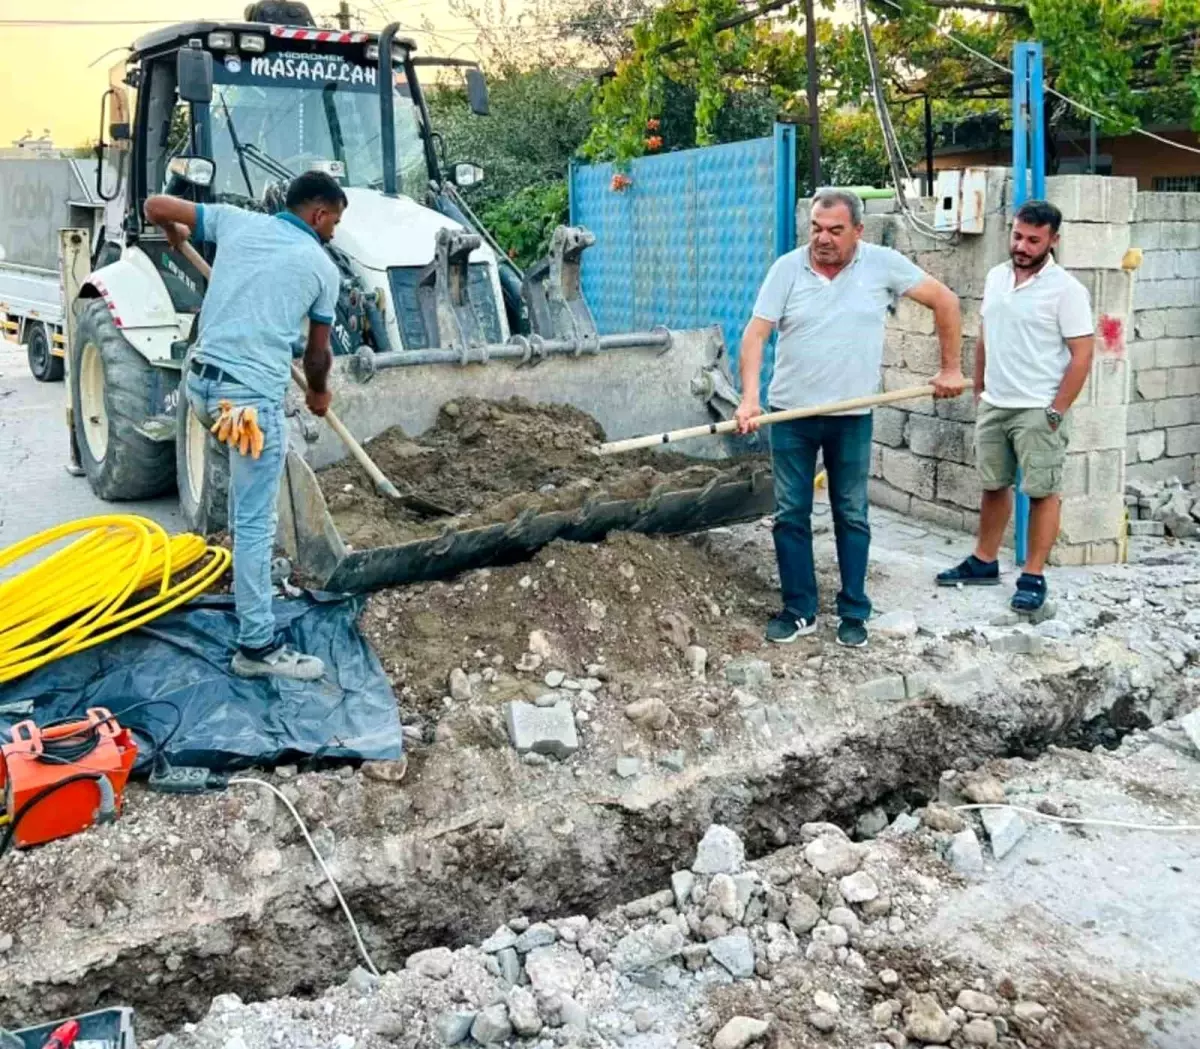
(253, 509)
(845, 445)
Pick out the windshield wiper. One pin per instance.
(237, 146)
(266, 161)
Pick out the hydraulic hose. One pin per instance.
(120, 573)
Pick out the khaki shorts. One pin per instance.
(1008, 438)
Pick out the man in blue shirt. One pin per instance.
(270, 275)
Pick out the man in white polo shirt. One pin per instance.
(1032, 358)
(829, 301)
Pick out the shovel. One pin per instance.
(417, 504)
(730, 425)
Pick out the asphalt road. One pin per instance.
(36, 492)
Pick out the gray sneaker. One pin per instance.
(283, 662)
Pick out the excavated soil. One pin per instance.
(486, 462)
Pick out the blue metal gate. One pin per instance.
(688, 243)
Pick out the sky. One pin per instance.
(45, 81)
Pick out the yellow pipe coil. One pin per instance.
(79, 596)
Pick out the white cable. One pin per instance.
(1049, 90)
(1181, 828)
(362, 947)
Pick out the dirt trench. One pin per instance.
(165, 928)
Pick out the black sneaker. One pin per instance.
(971, 572)
(1030, 595)
(784, 628)
(852, 633)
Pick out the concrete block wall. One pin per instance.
(924, 456)
(1164, 410)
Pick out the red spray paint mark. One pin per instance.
(1112, 335)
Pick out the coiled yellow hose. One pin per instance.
(80, 595)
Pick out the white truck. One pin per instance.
(38, 196)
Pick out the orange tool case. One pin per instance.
(60, 780)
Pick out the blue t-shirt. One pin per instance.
(270, 273)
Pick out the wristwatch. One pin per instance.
(1054, 417)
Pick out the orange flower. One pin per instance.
(654, 142)
(652, 124)
(620, 182)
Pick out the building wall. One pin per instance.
(924, 451)
(1133, 156)
(1164, 410)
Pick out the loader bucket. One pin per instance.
(630, 384)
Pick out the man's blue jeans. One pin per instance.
(253, 510)
(845, 445)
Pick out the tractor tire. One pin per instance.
(201, 471)
(42, 362)
(110, 391)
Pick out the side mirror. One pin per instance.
(195, 171)
(119, 132)
(465, 175)
(477, 92)
(194, 75)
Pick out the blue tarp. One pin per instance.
(226, 722)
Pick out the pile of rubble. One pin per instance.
(807, 944)
(1171, 508)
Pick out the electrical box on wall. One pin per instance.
(960, 200)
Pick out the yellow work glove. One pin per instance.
(238, 428)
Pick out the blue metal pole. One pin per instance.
(1029, 159)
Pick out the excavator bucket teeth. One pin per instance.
(665, 383)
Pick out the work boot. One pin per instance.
(971, 572)
(784, 628)
(281, 661)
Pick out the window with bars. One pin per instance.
(1176, 184)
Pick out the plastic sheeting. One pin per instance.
(226, 722)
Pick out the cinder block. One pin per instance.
(1179, 235)
(1150, 324)
(883, 494)
(1151, 385)
(971, 316)
(1182, 469)
(1075, 473)
(902, 378)
(1149, 446)
(941, 439)
(1187, 263)
(1093, 245)
(913, 317)
(1142, 355)
(1109, 290)
(1066, 555)
(1139, 416)
(1131, 450)
(936, 513)
(1093, 198)
(1147, 235)
(910, 473)
(1183, 440)
(1173, 293)
(960, 409)
(1159, 207)
(920, 353)
(958, 484)
(1092, 518)
(893, 348)
(1183, 382)
(1176, 411)
(1182, 322)
(888, 426)
(876, 460)
(1106, 552)
(1159, 265)
(1108, 382)
(1106, 472)
(1177, 353)
(1096, 427)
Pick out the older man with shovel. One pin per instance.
(829, 302)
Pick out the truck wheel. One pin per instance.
(201, 472)
(111, 386)
(42, 362)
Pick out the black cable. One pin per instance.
(41, 795)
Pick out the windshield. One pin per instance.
(278, 115)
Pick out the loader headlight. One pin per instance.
(252, 42)
(221, 40)
(372, 52)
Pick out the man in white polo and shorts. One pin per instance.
(1032, 358)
